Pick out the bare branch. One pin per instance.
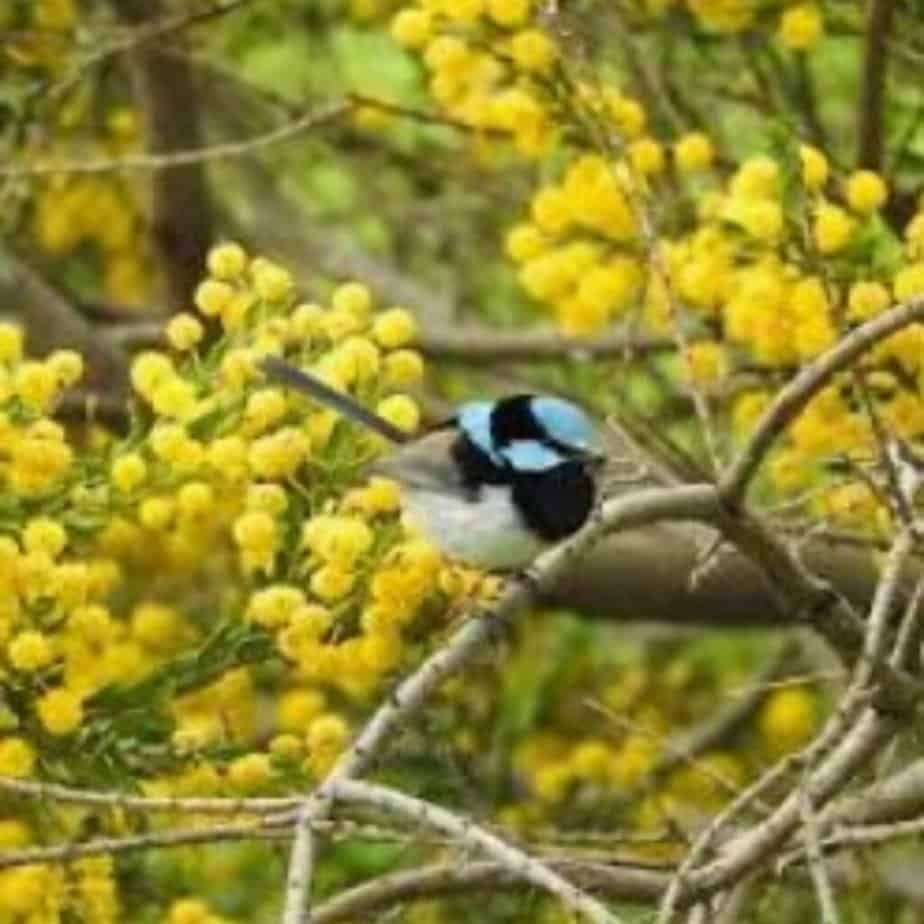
(622, 883)
(417, 811)
(51, 792)
(816, 863)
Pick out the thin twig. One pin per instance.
(52, 792)
(225, 151)
(418, 811)
(816, 863)
(446, 879)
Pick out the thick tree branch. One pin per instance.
(52, 323)
(181, 209)
(870, 113)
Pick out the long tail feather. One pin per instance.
(307, 384)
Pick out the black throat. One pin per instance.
(556, 502)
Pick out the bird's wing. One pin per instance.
(426, 464)
(310, 385)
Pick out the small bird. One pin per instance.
(494, 485)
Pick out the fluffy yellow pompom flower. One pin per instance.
(412, 28)
(36, 383)
(332, 582)
(273, 606)
(762, 219)
(286, 747)
(250, 772)
(647, 156)
(272, 282)
(128, 471)
(16, 757)
(801, 27)
(156, 626)
(327, 733)
(380, 495)
(694, 152)
(66, 366)
(270, 498)
(339, 539)
(533, 51)
(280, 454)
(402, 368)
(184, 331)
(156, 512)
(866, 191)
(149, 370)
(11, 339)
(551, 210)
(195, 499)
(628, 114)
(30, 651)
(265, 407)
(756, 178)
(255, 534)
(212, 297)
(354, 298)
(296, 708)
(788, 719)
(832, 228)
(38, 460)
(524, 242)
(814, 167)
(43, 534)
(508, 12)
(60, 711)
(394, 328)
(227, 261)
(909, 282)
(707, 362)
(400, 410)
(867, 299)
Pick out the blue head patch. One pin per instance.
(474, 420)
(531, 456)
(565, 423)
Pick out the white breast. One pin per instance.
(487, 533)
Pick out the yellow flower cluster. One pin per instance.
(248, 503)
(86, 889)
(488, 63)
(99, 214)
(573, 253)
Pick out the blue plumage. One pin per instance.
(531, 456)
(474, 420)
(564, 422)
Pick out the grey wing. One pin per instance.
(426, 464)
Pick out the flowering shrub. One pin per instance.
(213, 602)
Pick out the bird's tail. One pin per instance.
(309, 385)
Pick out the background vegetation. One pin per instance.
(235, 685)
